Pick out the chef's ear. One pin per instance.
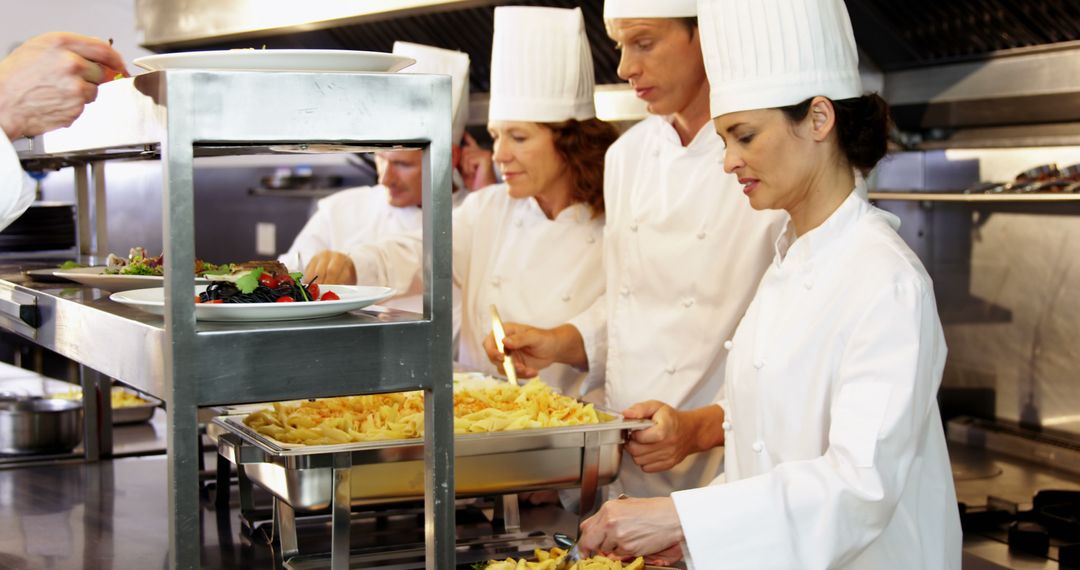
(822, 118)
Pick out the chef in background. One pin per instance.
(532, 245)
(683, 254)
(44, 85)
(835, 452)
(367, 214)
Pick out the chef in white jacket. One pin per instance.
(356, 216)
(683, 253)
(532, 245)
(44, 84)
(835, 452)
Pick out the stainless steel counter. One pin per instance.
(113, 515)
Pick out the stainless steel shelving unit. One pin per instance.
(179, 115)
(974, 198)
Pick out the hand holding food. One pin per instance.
(46, 81)
(632, 527)
(532, 349)
(332, 268)
(673, 435)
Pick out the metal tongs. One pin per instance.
(499, 334)
(572, 556)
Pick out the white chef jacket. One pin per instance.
(683, 253)
(351, 217)
(506, 253)
(16, 188)
(835, 454)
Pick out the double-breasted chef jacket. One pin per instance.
(835, 452)
(507, 253)
(683, 254)
(16, 188)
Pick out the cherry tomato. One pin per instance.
(216, 301)
(313, 290)
(269, 281)
(285, 299)
(330, 296)
(198, 299)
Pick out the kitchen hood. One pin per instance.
(946, 64)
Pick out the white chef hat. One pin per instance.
(649, 9)
(541, 66)
(761, 54)
(439, 61)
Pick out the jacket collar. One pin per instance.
(705, 139)
(792, 252)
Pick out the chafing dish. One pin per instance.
(585, 456)
(308, 478)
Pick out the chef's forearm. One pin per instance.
(708, 427)
(571, 345)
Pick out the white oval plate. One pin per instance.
(96, 277)
(352, 297)
(332, 60)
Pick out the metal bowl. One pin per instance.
(40, 426)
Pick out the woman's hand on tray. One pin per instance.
(674, 434)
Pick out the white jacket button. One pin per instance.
(759, 364)
(624, 291)
(496, 281)
(518, 222)
(670, 369)
(688, 303)
(808, 284)
(566, 298)
(633, 227)
(758, 447)
(726, 425)
(701, 235)
(728, 345)
(591, 239)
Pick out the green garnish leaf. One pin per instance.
(71, 265)
(298, 277)
(250, 281)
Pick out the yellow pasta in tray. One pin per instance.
(549, 559)
(480, 406)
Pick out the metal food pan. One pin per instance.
(390, 471)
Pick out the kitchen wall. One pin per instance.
(1007, 279)
(101, 18)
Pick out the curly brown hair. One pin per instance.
(583, 144)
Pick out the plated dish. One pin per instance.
(96, 277)
(327, 60)
(351, 297)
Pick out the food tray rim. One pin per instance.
(234, 423)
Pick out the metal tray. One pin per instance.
(389, 471)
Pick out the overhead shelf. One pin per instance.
(960, 197)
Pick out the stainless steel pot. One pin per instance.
(40, 425)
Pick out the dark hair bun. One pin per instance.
(862, 127)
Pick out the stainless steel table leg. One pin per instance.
(590, 474)
(101, 233)
(285, 528)
(82, 207)
(507, 514)
(342, 514)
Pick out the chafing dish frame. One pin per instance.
(316, 477)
